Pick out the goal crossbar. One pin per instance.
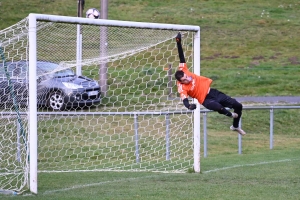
(33, 18)
(117, 23)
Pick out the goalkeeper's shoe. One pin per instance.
(234, 115)
(238, 129)
(178, 37)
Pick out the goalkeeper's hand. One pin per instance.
(178, 38)
(192, 107)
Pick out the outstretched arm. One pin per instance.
(179, 47)
(182, 60)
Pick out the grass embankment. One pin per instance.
(249, 48)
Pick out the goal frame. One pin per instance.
(33, 18)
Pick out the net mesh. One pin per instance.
(14, 118)
(119, 112)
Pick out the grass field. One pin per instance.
(265, 174)
(249, 48)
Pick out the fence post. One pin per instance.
(271, 127)
(137, 156)
(167, 137)
(204, 135)
(240, 138)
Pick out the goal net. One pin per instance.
(96, 95)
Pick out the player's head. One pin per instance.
(182, 77)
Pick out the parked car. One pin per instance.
(57, 88)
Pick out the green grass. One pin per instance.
(249, 45)
(257, 173)
(249, 48)
(268, 174)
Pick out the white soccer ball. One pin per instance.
(92, 13)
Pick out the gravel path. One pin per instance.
(270, 100)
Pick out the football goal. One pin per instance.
(81, 94)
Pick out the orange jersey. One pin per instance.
(197, 88)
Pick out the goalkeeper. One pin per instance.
(190, 84)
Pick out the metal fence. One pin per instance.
(167, 123)
(271, 108)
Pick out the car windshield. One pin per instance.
(47, 67)
(19, 69)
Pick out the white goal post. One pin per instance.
(140, 123)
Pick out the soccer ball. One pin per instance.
(92, 13)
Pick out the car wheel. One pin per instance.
(56, 101)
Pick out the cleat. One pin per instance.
(234, 115)
(239, 130)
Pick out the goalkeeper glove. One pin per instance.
(178, 37)
(192, 107)
(189, 106)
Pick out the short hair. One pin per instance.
(179, 74)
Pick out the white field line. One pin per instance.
(247, 165)
(137, 178)
(97, 184)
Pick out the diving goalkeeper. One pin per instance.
(190, 84)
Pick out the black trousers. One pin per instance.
(217, 101)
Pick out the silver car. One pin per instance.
(57, 89)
